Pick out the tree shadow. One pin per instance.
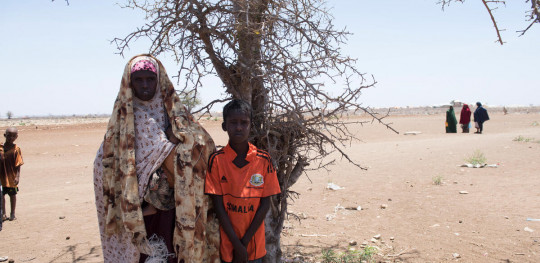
(77, 253)
(407, 255)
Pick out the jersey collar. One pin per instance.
(251, 154)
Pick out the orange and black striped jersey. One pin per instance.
(242, 188)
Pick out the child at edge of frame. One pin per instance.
(1, 205)
(10, 171)
(240, 181)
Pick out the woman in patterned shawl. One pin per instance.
(145, 213)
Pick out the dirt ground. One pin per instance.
(421, 221)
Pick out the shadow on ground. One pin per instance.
(81, 252)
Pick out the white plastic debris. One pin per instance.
(333, 186)
(528, 229)
(470, 165)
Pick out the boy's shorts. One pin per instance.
(10, 190)
(249, 261)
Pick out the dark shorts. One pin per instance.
(10, 190)
(249, 261)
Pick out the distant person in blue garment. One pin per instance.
(480, 116)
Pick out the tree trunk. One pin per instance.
(249, 21)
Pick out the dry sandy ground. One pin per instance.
(422, 222)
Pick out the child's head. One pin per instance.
(144, 78)
(237, 115)
(11, 134)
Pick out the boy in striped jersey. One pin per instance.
(240, 181)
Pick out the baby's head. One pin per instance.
(11, 135)
(237, 116)
(144, 78)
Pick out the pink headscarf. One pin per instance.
(144, 63)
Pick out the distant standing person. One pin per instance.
(1, 207)
(451, 122)
(10, 171)
(480, 116)
(465, 118)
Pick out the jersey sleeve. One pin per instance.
(18, 158)
(271, 183)
(211, 184)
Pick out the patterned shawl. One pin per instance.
(196, 237)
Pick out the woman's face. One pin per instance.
(143, 84)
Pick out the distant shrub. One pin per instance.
(437, 180)
(476, 158)
(525, 139)
(349, 256)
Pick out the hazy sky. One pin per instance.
(58, 59)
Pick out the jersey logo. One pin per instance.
(224, 179)
(256, 180)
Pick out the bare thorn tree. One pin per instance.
(67, 1)
(284, 58)
(533, 14)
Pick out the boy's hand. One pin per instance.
(244, 241)
(240, 255)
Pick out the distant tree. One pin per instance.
(9, 115)
(190, 99)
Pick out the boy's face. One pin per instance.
(144, 83)
(237, 126)
(11, 136)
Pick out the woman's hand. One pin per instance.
(170, 136)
